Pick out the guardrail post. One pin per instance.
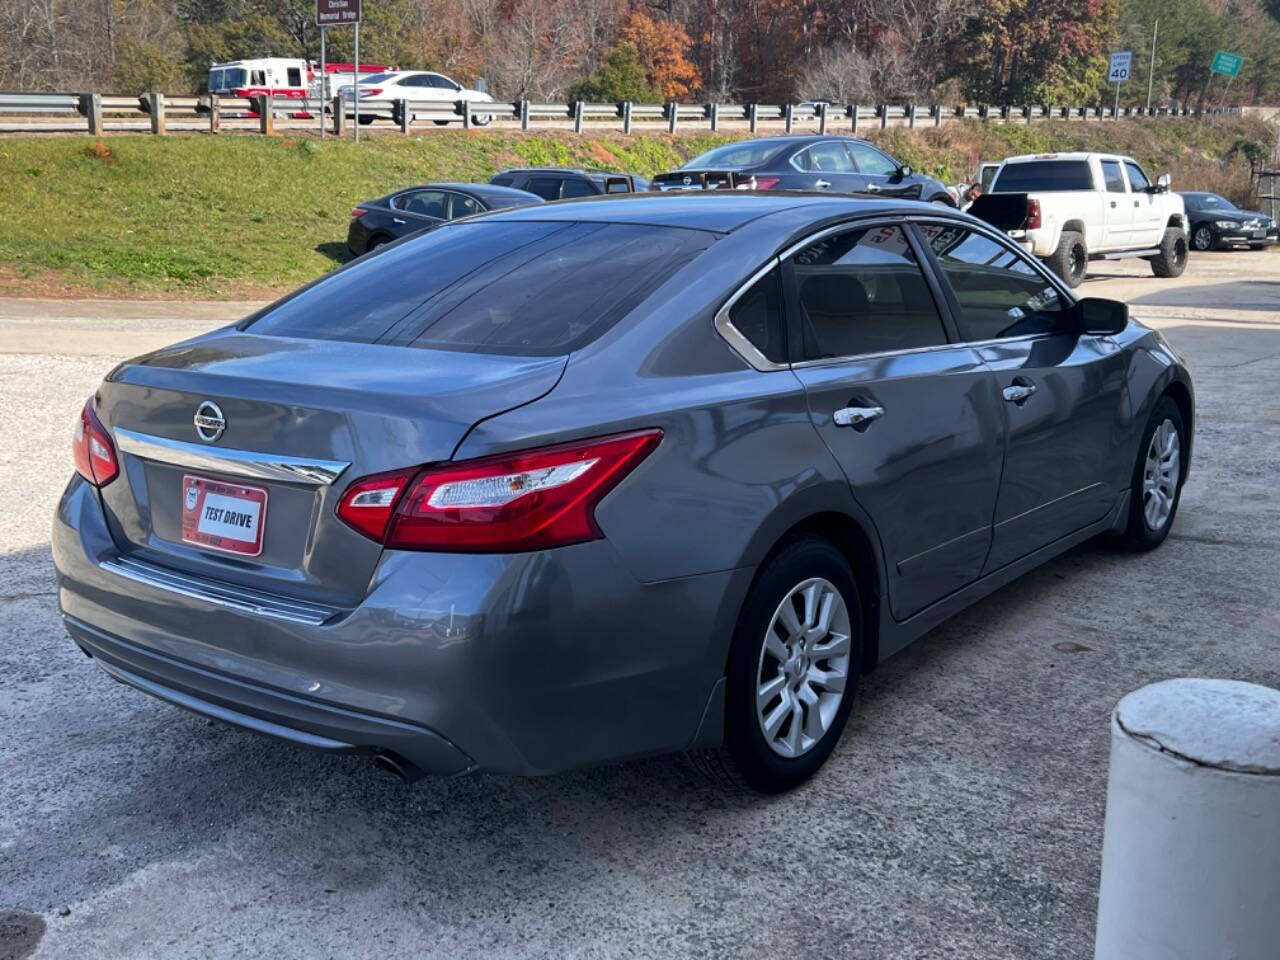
(714, 110)
(463, 107)
(853, 113)
(625, 107)
(577, 116)
(215, 114)
(155, 107)
(884, 115)
(787, 115)
(524, 114)
(673, 116)
(751, 116)
(339, 116)
(406, 115)
(822, 119)
(911, 115)
(936, 110)
(266, 114)
(91, 107)
(1026, 114)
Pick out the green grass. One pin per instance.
(217, 217)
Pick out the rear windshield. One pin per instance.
(749, 153)
(501, 287)
(1043, 176)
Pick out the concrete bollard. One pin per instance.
(1191, 855)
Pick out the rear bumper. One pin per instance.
(527, 664)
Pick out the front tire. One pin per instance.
(1172, 259)
(1071, 260)
(366, 119)
(1156, 487)
(1202, 238)
(793, 670)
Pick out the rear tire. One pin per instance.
(367, 119)
(1172, 259)
(1071, 260)
(441, 123)
(1156, 487)
(792, 673)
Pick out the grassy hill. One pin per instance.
(244, 216)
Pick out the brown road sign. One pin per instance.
(336, 13)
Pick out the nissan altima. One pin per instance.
(567, 484)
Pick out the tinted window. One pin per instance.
(417, 80)
(749, 153)
(503, 180)
(574, 187)
(829, 157)
(1137, 179)
(295, 77)
(464, 206)
(757, 315)
(1207, 201)
(425, 203)
(1043, 176)
(1112, 176)
(442, 83)
(863, 292)
(871, 161)
(377, 78)
(616, 185)
(533, 289)
(1000, 293)
(548, 188)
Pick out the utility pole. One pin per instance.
(1151, 67)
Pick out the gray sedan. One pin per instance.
(611, 478)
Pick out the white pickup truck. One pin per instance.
(1070, 208)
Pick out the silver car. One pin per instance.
(611, 478)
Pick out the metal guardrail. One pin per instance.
(153, 111)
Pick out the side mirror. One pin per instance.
(904, 171)
(1094, 315)
(1163, 183)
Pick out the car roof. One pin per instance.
(475, 189)
(576, 170)
(1066, 155)
(716, 211)
(797, 138)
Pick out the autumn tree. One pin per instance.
(619, 77)
(662, 46)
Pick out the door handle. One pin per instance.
(873, 188)
(822, 184)
(1113, 204)
(1019, 391)
(1135, 203)
(856, 416)
(398, 221)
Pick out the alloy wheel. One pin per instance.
(1160, 475)
(803, 667)
(1202, 238)
(1079, 261)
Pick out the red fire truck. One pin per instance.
(285, 78)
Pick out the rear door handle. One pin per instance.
(822, 184)
(1019, 391)
(1113, 204)
(1135, 203)
(397, 221)
(856, 416)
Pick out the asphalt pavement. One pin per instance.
(960, 816)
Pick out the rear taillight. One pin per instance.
(512, 502)
(358, 212)
(1033, 214)
(94, 453)
(764, 183)
(371, 92)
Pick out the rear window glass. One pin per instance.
(749, 153)
(516, 288)
(503, 180)
(1044, 176)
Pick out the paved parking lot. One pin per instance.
(961, 815)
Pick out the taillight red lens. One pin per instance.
(358, 212)
(764, 183)
(1033, 214)
(94, 453)
(531, 500)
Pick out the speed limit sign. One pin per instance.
(1121, 64)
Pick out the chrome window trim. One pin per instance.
(218, 593)
(735, 337)
(239, 463)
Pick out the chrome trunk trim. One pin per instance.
(218, 593)
(240, 463)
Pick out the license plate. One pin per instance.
(1259, 234)
(223, 516)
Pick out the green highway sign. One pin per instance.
(1227, 64)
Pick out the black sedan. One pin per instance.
(377, 222)
(836, 164)
(568, 183)
(1217, 222)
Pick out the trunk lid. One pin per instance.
(303, 418)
